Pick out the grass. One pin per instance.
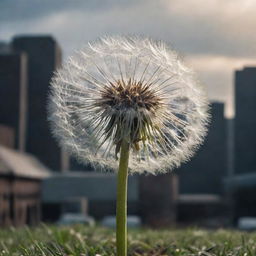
(85, 241)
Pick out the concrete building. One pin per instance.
(150, 197)
(201, 180)
(245, 120)
(13, 94)
(98, 188)
(43, 57)
(205, 172)
(242, 183)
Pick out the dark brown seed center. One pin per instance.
(131, 94)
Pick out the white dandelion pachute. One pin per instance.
(133, 89)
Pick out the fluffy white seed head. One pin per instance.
(133, 89)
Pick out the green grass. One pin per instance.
(81, 241)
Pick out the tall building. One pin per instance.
(245, 120)
(205, 172)
(242, 184)
(44, 56)
(13, 94)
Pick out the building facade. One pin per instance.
(43, 57)
(13, 94)
(204, 173)
(245, 120)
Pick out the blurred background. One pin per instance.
(40, 182)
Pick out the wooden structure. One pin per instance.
(20, 188)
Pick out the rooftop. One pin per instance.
(21, 165)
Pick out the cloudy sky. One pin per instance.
(215, 37)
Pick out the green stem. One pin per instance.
(121, 205)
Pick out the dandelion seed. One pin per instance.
(133, 89)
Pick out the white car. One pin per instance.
(76, 218)
(132, 221)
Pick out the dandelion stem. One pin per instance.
(121, 205)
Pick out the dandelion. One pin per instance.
(128, 104)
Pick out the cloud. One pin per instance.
(219, 27)
(215, 35)
(192, 26)
(32, 9)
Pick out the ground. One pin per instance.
(85, 241)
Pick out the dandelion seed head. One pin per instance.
(133, 89)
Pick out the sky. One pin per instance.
(214, 37)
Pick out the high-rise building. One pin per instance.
(13, 94)
(245, 120)
(44, 56)
(205, 172)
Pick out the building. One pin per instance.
(150, 197)
(245, 120)
(98, 188)
(43, 57)
(26, 68)
(201, 187)
(204, 173)
(13, 94)
(20, 188)
(242, 183)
